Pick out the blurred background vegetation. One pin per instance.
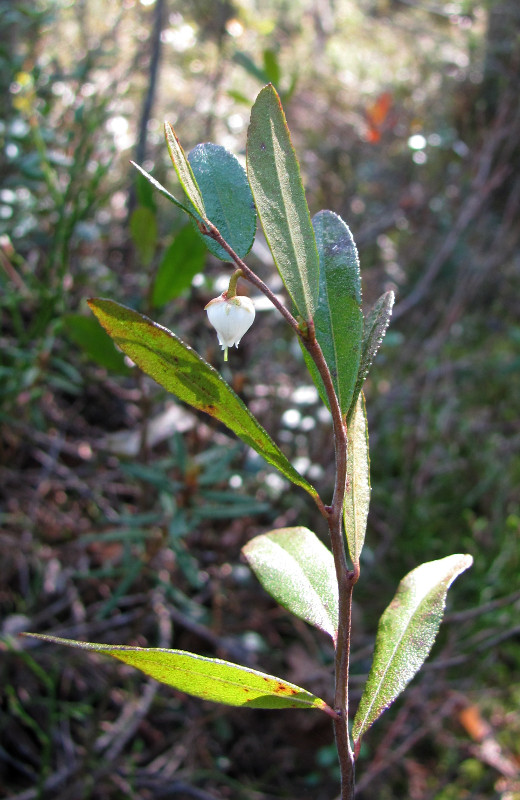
(122, 514)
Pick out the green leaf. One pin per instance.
(406, 634)
(160, 188)
(338, 319)
(86, 333)
(143, 229)
(227, 198)
(239, 97)
(208, 678)
(181, 371)
(183, 170)
(357, 497)
(144, 192)
(183, 259)
(375, 327)
(272, 66)
(247, 63)
(274, 175)
(298, 571)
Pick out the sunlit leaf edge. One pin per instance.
(304, 289)
(160, 188)
(456, 564)
(375, 326)
(183, 169)
(358, 462)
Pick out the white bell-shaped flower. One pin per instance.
(231, 318)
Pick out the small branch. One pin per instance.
(213, 232)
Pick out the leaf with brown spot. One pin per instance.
(208, 678)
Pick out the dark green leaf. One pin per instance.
(96, 343)
(208, 678)
(183, 170)
(181, 371)
(274, 175)
(183, 259)
(143, 229)
(227, 198)
(338, 318)
(406, 634)
(144, 192)
(357, 497)
(375, 327)
(298, 571)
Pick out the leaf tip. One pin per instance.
(467, 561)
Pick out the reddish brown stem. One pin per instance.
(334, 516)
(346, 579)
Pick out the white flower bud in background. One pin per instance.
(231, 318)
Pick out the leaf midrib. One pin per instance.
(309, 700)
(288, 203)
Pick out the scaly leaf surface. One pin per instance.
(357, 497)
(297, 570)
(338, 319)
(374, 330)
(406, 634)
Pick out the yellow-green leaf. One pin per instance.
(181, 371)
(184, 170)
(208, 678)
(357, 497)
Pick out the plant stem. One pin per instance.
(334, 516)
(345, 578)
